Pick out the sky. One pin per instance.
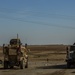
(38, 22)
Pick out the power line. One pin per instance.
(40, 14)
(39, 23)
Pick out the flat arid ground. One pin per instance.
(43, 60)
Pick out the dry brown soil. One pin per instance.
(43, 60)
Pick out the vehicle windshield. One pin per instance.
(14, 42)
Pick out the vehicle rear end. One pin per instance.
(12, 57)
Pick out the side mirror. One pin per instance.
(5, 49)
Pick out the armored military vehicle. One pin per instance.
(70, 58)
(15, 54)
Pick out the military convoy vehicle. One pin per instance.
(15, 54)
(70, 58)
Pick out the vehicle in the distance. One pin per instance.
(15, 54)
(70, 58)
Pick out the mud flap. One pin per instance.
(1, 62)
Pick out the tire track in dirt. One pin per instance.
(60, 72)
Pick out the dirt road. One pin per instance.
(48, 61)
(41, 68)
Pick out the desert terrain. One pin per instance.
(43, 60)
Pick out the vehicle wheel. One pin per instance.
(21, 64)
(26, 66)
(68, 65)
(11, 67)
(5, 64)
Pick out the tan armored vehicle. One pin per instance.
(70, 58)
(15, 54)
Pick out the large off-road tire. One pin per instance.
(5, 64)
(68, 65)
(21, 64)
(26, 66)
